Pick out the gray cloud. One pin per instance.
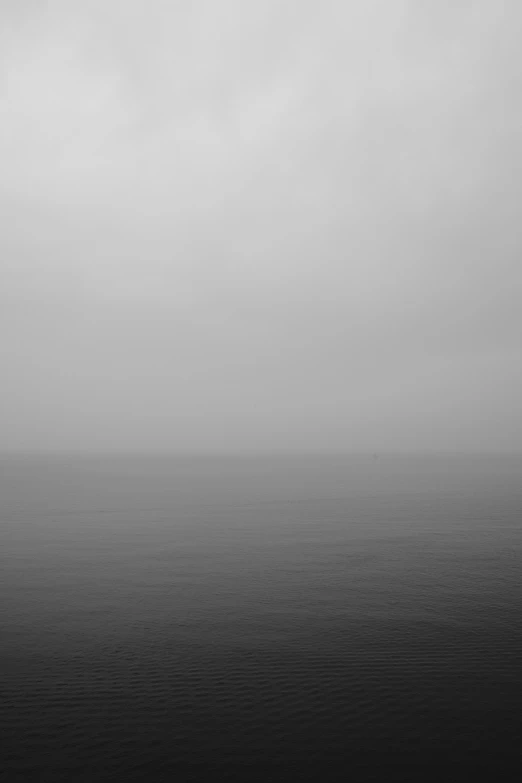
(260, 225)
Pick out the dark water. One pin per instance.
(268, 619)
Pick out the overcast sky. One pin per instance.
(261, 224)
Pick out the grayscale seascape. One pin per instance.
(260, 390)
(269, 615)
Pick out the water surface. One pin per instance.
(282, 616)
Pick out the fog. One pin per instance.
(260, 225)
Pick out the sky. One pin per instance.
(260, 225)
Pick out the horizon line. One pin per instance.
(223, 453)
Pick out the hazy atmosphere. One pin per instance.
(246, 224)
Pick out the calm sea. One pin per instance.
(322, 618)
